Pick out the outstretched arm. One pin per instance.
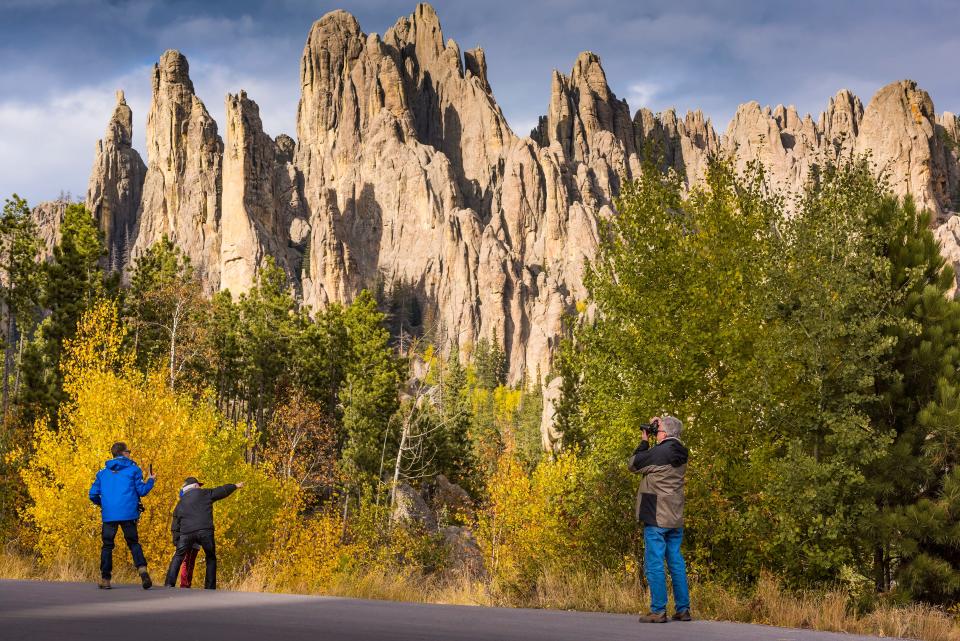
(223, 491)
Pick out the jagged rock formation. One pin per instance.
(48, 216)
(182, 190)
(116, 183)
(911, 155)
(262, 213)
(406, 173)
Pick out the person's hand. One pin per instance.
(239, 485)
(151, 476)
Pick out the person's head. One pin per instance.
(119, 449)
(668, 427)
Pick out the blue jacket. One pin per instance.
(118, 488)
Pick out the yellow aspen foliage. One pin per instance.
(527, 526)
(110, 401)
(307, 555)
(313, 553)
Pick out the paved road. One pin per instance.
(33, 611)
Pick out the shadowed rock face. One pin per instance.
(405, 171)
(116, 185)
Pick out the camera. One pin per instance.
(651, 429)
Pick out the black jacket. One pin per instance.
(660, 499)
(194, 512)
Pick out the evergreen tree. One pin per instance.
(320, 358)
(226, 368)
(914, 484)
(370, 392)
(167, 312)
(490, 363)
(269, 324)
(74, 279)
(22, 278)
(455, 452)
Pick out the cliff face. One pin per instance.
(262, 211)
(116, 185)
(182, 191)
(406, 173)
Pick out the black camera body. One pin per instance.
(651, 429)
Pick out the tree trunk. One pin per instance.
(16, 380)
(396, 468)
(173, 347)
(7, 357)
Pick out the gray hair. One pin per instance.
(671, 425)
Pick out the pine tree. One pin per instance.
(319, 358)
(914, 484)
(74, 280)
(370, 391)
(490, 363)
(455, 455)
(269, 321)
(167, 312)
(23, 284)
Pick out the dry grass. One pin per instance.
(15, 565)
(767, 604)
(387, 585)
(770, 604)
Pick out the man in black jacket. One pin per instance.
(193, 523)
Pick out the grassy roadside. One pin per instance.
(768, 603)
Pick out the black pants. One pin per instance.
(109, 534)
(205, 539)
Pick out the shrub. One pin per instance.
(109, 401)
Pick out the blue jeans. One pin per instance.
(660, 542)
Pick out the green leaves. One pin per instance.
(798, 342)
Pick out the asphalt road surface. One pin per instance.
(34, 610)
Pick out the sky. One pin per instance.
(62, 60)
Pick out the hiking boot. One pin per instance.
(104, 584)
(145, 578)
(681, 615)
(654, 617)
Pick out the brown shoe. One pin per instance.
(144, 577)
(654, 617)
(682, 615)
(103, 584)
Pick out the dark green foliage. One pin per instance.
(269, 323)
(370, 391)
(22, 285)
(74, 279)
(167, 313)
(490, 363)
(813, 358)
(455, 455)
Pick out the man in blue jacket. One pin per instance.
(117, 490)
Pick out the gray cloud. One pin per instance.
(63, 59)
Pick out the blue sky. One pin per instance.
(62, 60)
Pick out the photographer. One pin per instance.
(660, 509)
(117, 490)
